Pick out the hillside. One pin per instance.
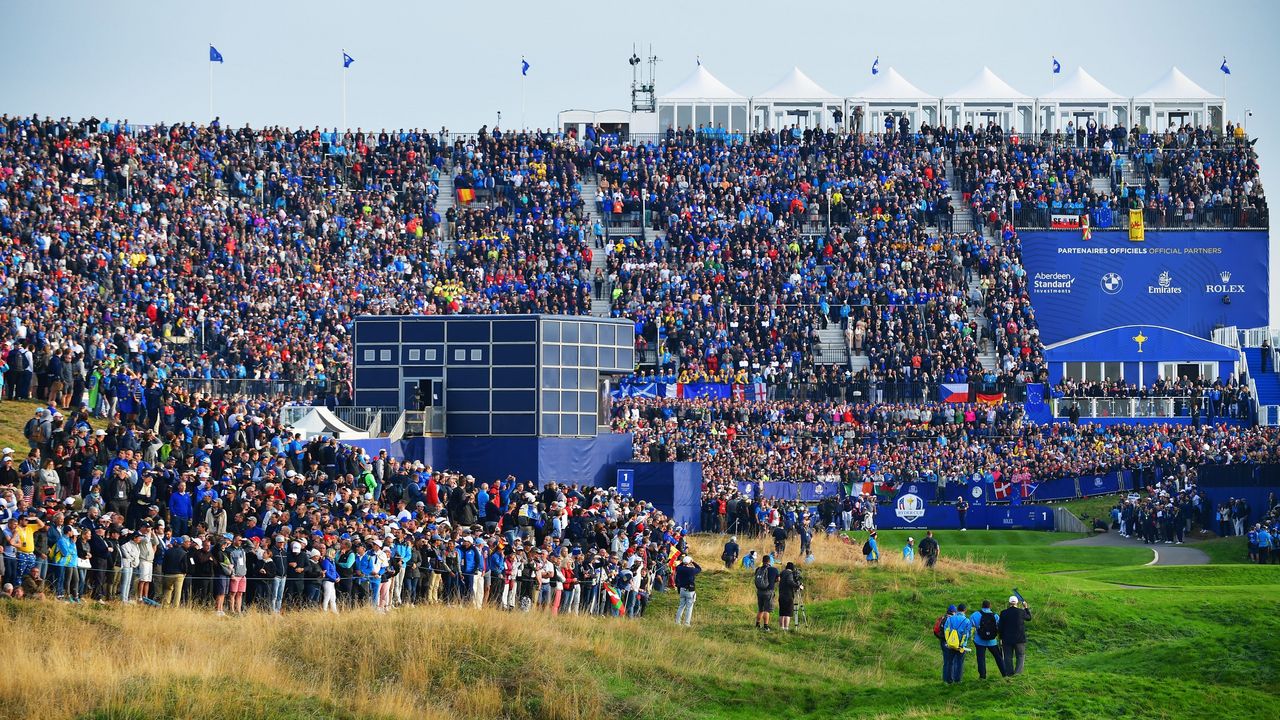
(1205, 638)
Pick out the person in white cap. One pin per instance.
(1013, 634)
(909, 551)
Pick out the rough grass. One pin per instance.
(1204, 640)
(14, 415)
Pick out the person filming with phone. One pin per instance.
(1013, 634)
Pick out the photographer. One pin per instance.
(765, 579)
(686, 574)
(789, 585)
(1013, 634)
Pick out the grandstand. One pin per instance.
(880, 249)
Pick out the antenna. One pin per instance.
(643, 98)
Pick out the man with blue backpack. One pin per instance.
(986, 638)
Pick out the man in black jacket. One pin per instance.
(929, 549)
(176, 565)
(731, 552)
(1013, 634)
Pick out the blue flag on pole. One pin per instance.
(524, 66)
(1057, 67)
(1225, 70)
(875, 66)
(214, 55)
(347, 59)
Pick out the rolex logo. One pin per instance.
(1225, 275)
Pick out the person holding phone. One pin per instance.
(1013, 634)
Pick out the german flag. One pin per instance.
(466, 195)
(991, 398)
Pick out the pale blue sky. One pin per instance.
(428, 64)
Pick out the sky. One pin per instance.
(429, 64)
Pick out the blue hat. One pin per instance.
(951, 608)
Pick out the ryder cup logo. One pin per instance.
(1097, 482)
(910, 508)
(1225, 287)
(1112, 283)
(817, 489)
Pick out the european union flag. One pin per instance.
(1057, 67)
(214, 55)
(875, 66)
(524, 66)
(1225, 70)
(347, 59)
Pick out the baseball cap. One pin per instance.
(1013, 599)
(951, 608)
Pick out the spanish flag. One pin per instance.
(466, 195)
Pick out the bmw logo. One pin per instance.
(1112, 283)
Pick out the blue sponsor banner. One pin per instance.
(1102, 484)
(781, 490)
(1059, 489)
(815, 491)
(926, 490)
(626, 481)
(1180, 278)
(907, 515)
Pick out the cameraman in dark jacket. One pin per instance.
(1013, 634)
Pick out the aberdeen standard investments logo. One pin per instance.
(1112, 283)
(1053, 283)
(1164, 285)
(1226, 286)
(910, 508)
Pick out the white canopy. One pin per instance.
(1175, 86)
(1081, 86)
(702, 86)
(986, 85)
(795, 85)
(890, 85)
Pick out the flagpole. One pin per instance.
(524, 77)
(344, 91)
(211, 89)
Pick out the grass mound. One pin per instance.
(1202, 639)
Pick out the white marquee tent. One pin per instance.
(1080, 98)
(1176, 99)
(889, 93)
(795, 99)
(702, 100)
(988, 98)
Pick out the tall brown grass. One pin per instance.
(63, 661)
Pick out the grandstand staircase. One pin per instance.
(1267, 383)
(599, 256)
(446, 199)
(963, 219)
(832, 348)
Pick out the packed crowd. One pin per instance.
(197, 253)
(1216, 398)
(732, 271)
(224, 507)
(889, 444)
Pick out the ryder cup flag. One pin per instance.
(953, 392)
(214, 55)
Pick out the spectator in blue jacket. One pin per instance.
(986, 638)
(180, 509)
(953, 669)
